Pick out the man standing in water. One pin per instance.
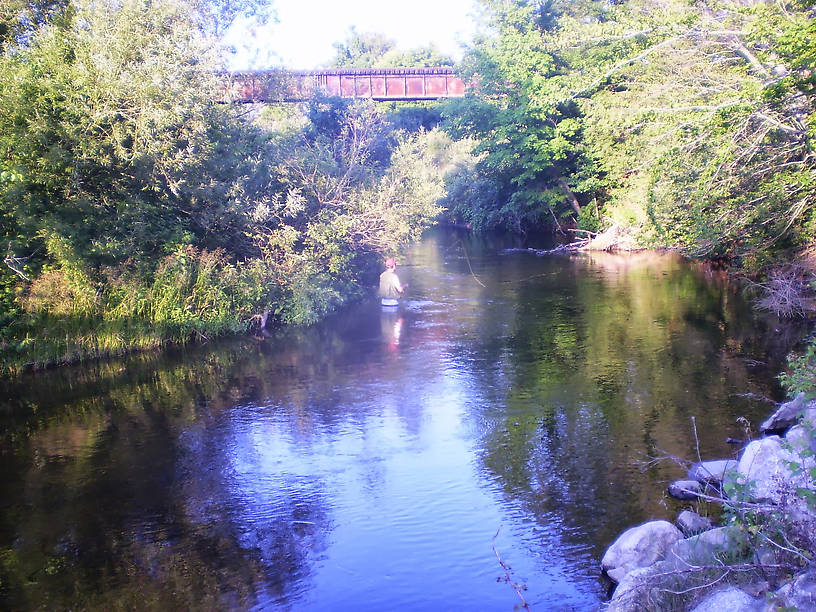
(390, 287)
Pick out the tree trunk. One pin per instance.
(573, 200)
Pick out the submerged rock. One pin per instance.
(691, 523)
(638, 547)
(711, 472)
(685, 489)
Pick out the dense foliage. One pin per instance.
(137, 209)
(691, 125)
(534, 164)
(672, 124)
(373, 50)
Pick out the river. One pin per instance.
(514, 410)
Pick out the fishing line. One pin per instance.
(476, 278)
(518, 280)
(527, 278)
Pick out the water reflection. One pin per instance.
(369, 462)
(391, 321)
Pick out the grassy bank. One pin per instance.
(193, 296)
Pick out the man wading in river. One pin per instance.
(390, 287)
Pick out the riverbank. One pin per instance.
(759, 558)
(193, 296)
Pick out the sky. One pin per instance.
(302, 35)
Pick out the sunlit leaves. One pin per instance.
(530, 131)
(375, 50)
(109, 119)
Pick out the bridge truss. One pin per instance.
(370, 83)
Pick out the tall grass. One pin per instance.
(193, 295)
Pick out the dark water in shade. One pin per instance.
(374, 462)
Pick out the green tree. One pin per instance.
(349, 196)
(19, 19)
(375, 50)
(530, 136)
(689, 125)
(361, 49)
(700, 120)
(420, 57)
(136, 209)
(111, 146)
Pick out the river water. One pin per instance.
(514, 410)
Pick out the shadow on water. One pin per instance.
(369, 461)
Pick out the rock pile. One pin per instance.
(740, 566)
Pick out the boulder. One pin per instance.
(731, 599)
(801, 438)
(653, 587)
(800, 594)
(711, 472)
(685, 489)
(638, 547)
(703, 549)
(765, 467)
(691, 523)
(756, 588)
(633, 594)
(786, 415)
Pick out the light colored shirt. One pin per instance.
(390, 286)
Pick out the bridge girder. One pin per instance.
(380, 84)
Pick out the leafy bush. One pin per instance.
(801, 374)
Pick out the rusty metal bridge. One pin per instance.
(378, 84)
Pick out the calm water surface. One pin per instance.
(383, 460)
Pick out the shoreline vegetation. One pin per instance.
(203, 306)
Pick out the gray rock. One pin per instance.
(756, 588)
(685, 489)
(767, 554)
(691, 523)
(801, 438)
(633, 592)
(765, 468)
(809, 416)
(786, 415)
(638, 547)
(651, 587)
(711, 471)
(800, 594)
(703, 549)
(731, 599)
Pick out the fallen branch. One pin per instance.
(15, 263)
(562, 248)
(518, 588)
